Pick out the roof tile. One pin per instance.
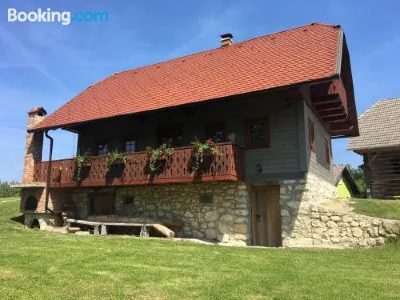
(298, 55)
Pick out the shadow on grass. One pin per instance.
(19, 219)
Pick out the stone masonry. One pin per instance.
(226, 219)
(307, 223)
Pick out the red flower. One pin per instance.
(210, 142)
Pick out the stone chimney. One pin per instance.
(33, 144)
(226, 39)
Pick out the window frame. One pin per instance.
(328, 151)
(267, 133)
(129, 140)
(311, 136)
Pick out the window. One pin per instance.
(129, 200)
(206, 199)
(170, 134)
(257, 133)
(102, 149)
(130, 146)
(328, 151)
(102, 204)
(216, 132)
(311, 135)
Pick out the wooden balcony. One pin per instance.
(175, 170)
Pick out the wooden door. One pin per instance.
(102, 204)
(266, 216)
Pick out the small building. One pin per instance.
(264, 111)
(379, 144)
(346, 187)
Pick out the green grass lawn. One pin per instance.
(43, 265)
(388, 209)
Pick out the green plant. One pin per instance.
(200, 150)
(80, 162)
(156, 155)
(112, 157)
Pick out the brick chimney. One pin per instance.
(226, 39)
(33, 144)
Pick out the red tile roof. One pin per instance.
(293, 56)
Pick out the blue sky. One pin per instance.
(47, 64)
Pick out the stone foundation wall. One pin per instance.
(226, 219)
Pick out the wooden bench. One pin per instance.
(102, 228)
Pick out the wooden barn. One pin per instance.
(379, 144)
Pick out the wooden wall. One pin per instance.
(383, 173)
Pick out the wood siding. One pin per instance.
(316, 161)
(282, 157)
(384, 173)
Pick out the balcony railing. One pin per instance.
(176, 169)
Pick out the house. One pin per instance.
(346, 187)
(379, 144)
(270, 104)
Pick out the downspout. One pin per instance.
(46, 206)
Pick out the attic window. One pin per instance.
(311, 135)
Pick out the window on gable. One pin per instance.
(328, 153)
(130, 146)
(311, 135)
(102, 148)
(216, 131)
(257, 133)
(170, 134)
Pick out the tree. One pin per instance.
(7, 191)
(359, 178)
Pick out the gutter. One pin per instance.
(46, 206)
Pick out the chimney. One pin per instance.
(226, 39)
(33, 144)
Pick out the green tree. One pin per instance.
(359, 178)
(7, 191)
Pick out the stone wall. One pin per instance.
(307, 223)
(317, 225)
(226, 219)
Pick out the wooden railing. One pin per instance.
(135, 172)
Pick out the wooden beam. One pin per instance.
(333, 116)
(326, 102)
(337, 121)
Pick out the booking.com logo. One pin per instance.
(49, 16)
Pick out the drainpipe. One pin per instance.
(46, 206)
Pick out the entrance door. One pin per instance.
(102, 204)
(266, 216)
